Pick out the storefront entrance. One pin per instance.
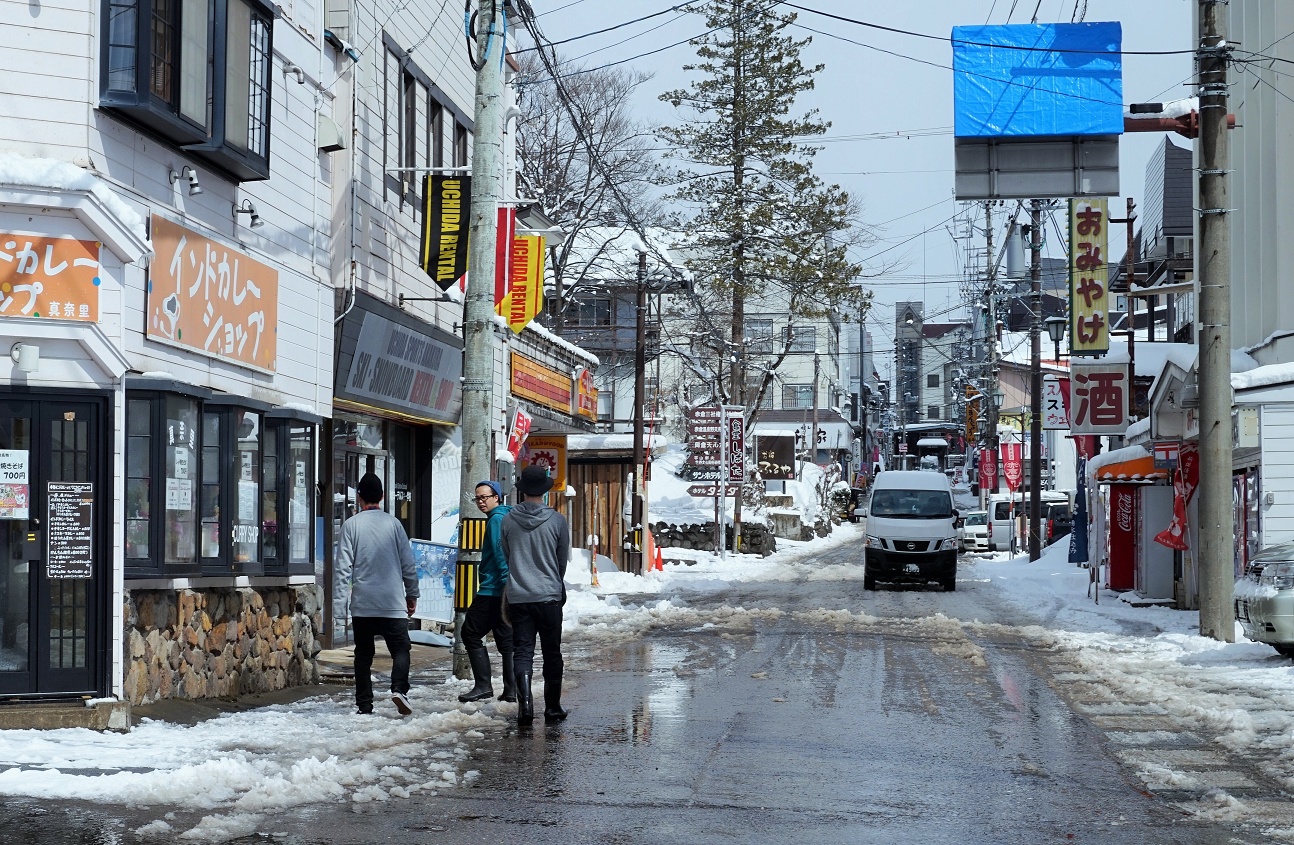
(55, 520)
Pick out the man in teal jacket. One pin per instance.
(486, 613)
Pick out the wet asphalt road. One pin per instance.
(782, 724)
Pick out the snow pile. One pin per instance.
(52, 173)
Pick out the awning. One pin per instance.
(1135, 469)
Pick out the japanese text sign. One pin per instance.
(1013, 464)
(49, 277)
(1089, 298)
(586, 395)
(987, 468)
(541, 384)
(1098, 398)
(1055, 403)
(518, 432)
(204, 296)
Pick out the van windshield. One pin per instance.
(912, 504)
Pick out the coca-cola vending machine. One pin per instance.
(1123, 536)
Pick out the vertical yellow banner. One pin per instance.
(525, 298)
(1089, 297)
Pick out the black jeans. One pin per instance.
(485, 616)
(395, 632)
(544, 619)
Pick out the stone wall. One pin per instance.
(755, 538)
(220, 642)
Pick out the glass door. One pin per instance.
(55, 507)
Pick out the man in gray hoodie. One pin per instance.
(377, 583)
(536, 542)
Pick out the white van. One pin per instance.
(1003, 523)
(910, 530)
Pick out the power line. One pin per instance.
(951, 40)
(609, 29)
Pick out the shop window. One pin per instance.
(231, 486)
(300, 472)
(162, 437)
(225, 489)
(195, 71)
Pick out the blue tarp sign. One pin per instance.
(1037, 80)
(436, 564)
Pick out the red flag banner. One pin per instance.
(1185, 479)
(1013, 464)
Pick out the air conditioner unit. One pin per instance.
(1189, 395)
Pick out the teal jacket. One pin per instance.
(494, 564)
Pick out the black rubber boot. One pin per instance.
(509, 681)
(525, 704)
(553, 711)
(480, 660)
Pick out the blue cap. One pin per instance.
(493, 485)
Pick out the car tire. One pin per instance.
(950, 583)
(869, 580)
(1284, 650)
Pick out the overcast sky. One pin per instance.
(904, 179)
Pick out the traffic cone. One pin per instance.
(658, 564)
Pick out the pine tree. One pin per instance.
(763, 226)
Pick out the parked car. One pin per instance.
(975, 532)
(1264, 599)
(1060, 520)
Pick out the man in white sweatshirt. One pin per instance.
(377, 586)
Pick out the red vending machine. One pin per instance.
(1123, 536)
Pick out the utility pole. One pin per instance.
(813, 435)
(990, 291)
(640, 398)
(864, 454)
(1035, 381)
(478, 310)
(1216, 531)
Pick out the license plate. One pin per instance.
(1242, 610)
(912, 569)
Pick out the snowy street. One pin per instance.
(747, 700)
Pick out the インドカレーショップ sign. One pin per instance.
(204, 296)
(391, 361)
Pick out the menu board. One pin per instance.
(69, 529)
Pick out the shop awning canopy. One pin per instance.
(1131, 470)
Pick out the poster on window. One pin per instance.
(13, 484)
(435, 564)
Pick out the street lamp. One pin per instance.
(1056, 331)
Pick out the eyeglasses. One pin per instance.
(485, 498)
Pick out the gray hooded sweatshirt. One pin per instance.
(536, 543)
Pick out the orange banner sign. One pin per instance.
(204, 296)
(49, 277)
(525, 297)
(540, 384)
(586, 395)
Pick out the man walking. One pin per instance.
(486, 613)
(378, 585)
(536, 543)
